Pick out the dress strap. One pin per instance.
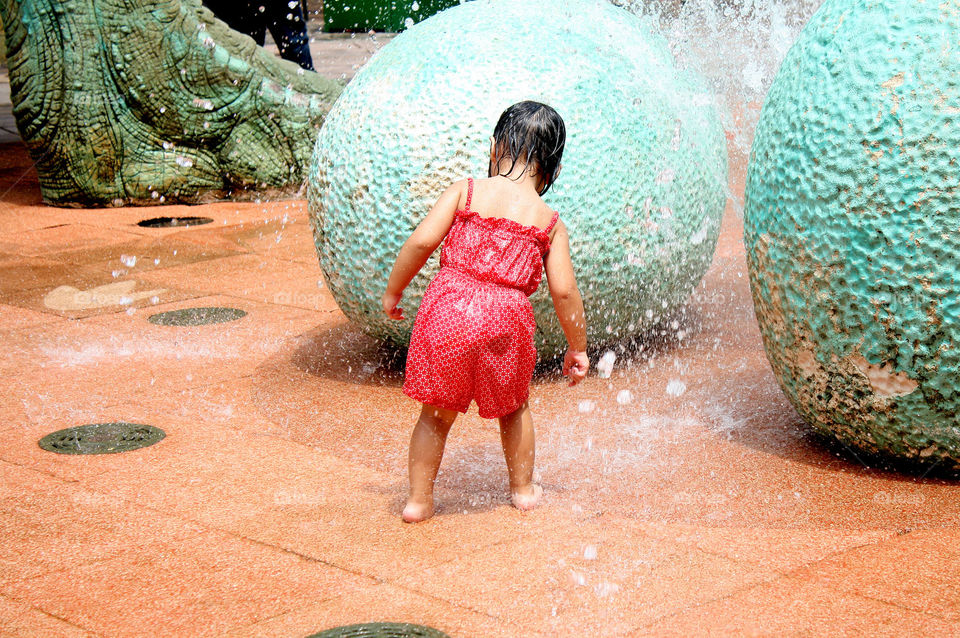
(469, 194)
(553, 222)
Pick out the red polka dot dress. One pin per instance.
(473, 335)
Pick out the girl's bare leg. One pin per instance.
(426, 450)
(516, 434)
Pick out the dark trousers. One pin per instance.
(287, 24)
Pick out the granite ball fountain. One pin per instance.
(851, 219)
(645, 167)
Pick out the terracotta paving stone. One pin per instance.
(27, 283)
(18, 620)
(599, 578)
(798, 607)
(119, 356)
(200, 586)
(19, 445)
(13, 412)
(29, 273)
(61, 237)
(266, 280)
(297, 498)
(148, 253)
(57, 525)
(290, 241)
(204, 475)
(226, 214)
(15, 219)
(288, 237)
(362, 531)
(782, 550)
(14, 478)
(20, 208)
(15, 318)
(915, 571)
(228, 404)
(381, 603)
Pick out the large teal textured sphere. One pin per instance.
(644, 172)
(852, 226)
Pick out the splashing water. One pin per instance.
(737, 45)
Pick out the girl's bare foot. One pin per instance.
(416, 511)
(526, 498)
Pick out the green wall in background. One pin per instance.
(378, 15)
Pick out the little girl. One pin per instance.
(473, 335)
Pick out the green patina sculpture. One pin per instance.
(644, 172)
(152, 101)
(852, 227)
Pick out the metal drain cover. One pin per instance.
(381, 630)
(197, 316)
(102, 438)
(174, 222)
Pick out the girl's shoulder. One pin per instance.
(463, 189)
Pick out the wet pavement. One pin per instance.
(684, 496)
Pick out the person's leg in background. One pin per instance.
(287, 22)
(245, 16)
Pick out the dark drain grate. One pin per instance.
(381, 630)
(174, 222)
(196, 316)
(102, 438)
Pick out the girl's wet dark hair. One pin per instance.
(531, 132)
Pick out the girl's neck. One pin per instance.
(521, 175)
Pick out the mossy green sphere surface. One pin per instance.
(643, 184)
(852, 226)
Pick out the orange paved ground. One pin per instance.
(272, 506)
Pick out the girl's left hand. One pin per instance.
(390, 302)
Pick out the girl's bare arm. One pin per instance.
(568, 304)
(420, 245)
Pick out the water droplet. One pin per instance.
(676, 387)
(605, 365)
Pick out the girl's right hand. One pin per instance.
(575, 365)
(390, 302)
